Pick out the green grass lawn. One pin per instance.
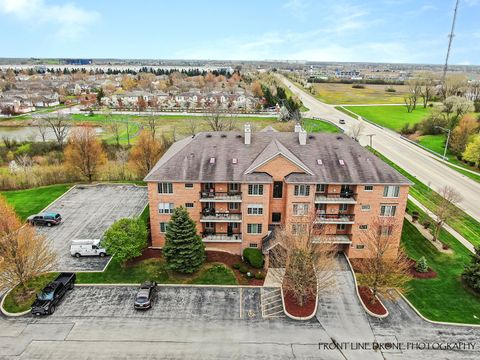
(464, 224)
(311, 125)
(444, 298)
(156, 270)
(392, 117)
(32, 201)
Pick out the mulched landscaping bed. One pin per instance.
(294, 309)
(376, 307)
(430, 274)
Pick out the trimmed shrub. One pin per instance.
(259, 276)
(421, 266)
(415, 216)
(243, 269)
(236, 266)
(254, 257)
(358, 86)
(426, 224)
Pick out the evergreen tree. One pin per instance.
(471, 275)
(421, 265)
(183, 250)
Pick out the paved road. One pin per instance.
(87, 212)
(413, 159)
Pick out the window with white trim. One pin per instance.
(366, 207)
(388, 210)
(386, 230)
(254, 228)
(189, 205)
(255, 209)
(165, 188)
(163, 227)
(301, 190)
(253, 245)
(368, 188)
(321, 188)
(300, 209)
(391, 191)
(166, 208)
(255, 189)
(363, 227)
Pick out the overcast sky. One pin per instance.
(413, 31)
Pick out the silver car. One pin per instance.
(144, 297)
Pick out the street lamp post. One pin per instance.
(448, 139)
(370, 136)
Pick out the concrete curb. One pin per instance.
(359, 297)
(172, 285)
(433, 321)
(297, 317)
(6, 313)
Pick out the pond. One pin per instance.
(31, 133)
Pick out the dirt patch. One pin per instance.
(374, 306)
(296, 310)
(430, 274)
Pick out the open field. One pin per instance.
(392, 117)
(464, 224)
(438, 298)
(371, 94)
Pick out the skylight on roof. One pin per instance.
(341, 162)
(234, 160)
(212, 160)
(319, 162)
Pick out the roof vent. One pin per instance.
(239, 136)
(234, 160)
(212, 160)
(341, 162)
(339, 138)
(208, 135)
(223, 135)
(311, 137)
(319, 162)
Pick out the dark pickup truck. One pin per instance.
(51, 294)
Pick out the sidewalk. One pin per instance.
(455, 234)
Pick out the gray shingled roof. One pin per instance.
(188, 160)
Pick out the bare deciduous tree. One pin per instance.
(152, 123)
(121, 157)
(60, 126)
(427, 89)
(308, 256)
(42, 127)
(408, 100)
(414, 90)
(386, 268)
(356, 130)
(445, 208)
(219, 120)
(192, 125)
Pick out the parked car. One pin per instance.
(45, 219)
(51, 294)
(144, 297)
(341, 121)
(87, 247)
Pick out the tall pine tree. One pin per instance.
(184, 249)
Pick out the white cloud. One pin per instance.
(299, 8)
(70, 20)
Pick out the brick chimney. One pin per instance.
(247, 134)
(302, 136)
(298, 127)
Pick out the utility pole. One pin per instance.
(448, 131)
(445, 67)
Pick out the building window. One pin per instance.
(255, 189)
(189, 205)
(342, 208)
(363, 227)
(299, 228)
(360, 246)
(277, 189)
(163, 227)
(165, 188)
(233, 225)
(276, 217)
(234, 206)
(166, 208)
(388, 210)
(366, 207)
(342, 227)
(321, 188)
(254, 228)
(253, 245)
(391, 191)
(255, 209)
(300, 209)
(188, 185)
(234, 188)
(209, 226)
(301, 190)
(386, 230)
(368, 188)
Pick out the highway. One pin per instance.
(416, 161)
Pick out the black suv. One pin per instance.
(46, 219)
(51, 294)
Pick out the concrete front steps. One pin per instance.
(272, 306)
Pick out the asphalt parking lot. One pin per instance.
(87, 212)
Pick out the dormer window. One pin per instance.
(234, 160)
(319, 162)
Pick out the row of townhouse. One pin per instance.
(20, 102)
(181, 100)
(238, 187)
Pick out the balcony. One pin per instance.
(335, 218)
(221, 237)
(210, 215)
(335, 198)
(333, 239)
(219, 196)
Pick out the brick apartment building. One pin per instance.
(238, 185)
